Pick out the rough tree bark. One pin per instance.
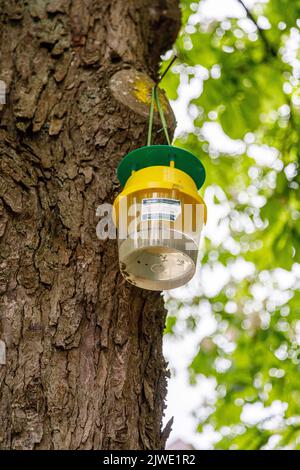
(84, 367)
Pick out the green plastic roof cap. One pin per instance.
(161, 155)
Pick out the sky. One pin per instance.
(184, 400)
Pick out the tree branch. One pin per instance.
(261, 32)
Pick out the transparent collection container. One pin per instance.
(158, 236)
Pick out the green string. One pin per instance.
(151, 113)
(155, 99)
(162, 116)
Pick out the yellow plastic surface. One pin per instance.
(163, 178)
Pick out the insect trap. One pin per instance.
(159, 214)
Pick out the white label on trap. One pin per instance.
(160, 209)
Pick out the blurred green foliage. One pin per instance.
(250, 68)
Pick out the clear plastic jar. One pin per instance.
(158, 236)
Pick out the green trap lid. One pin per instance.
(161, 155)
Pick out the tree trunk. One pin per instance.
(83, 365)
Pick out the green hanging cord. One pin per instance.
(161, 115)
(155, 100)
(151, 113)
